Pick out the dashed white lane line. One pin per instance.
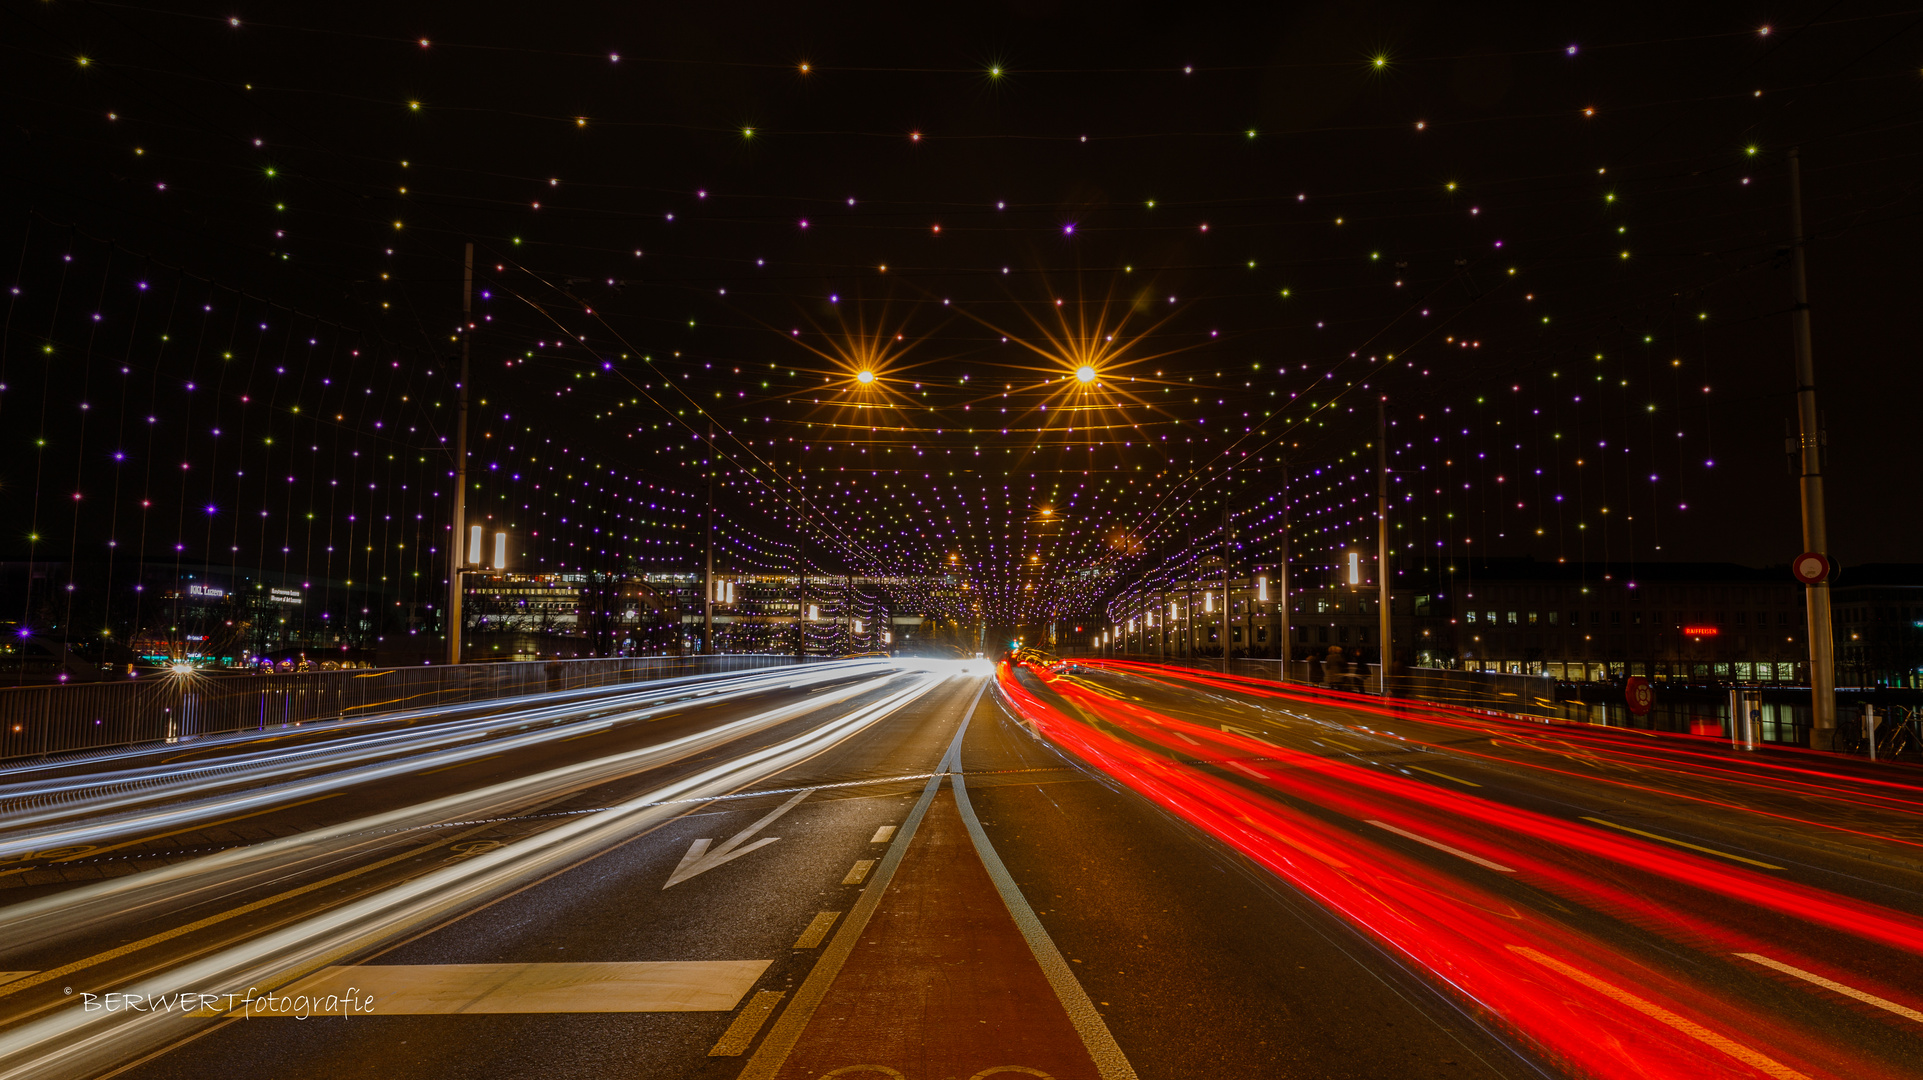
(1681, 843)
(1440, 846)
(1239, 767)
(1762, 1063)
(858, 872)
(1864, 996)
(883, 835)
(816, 930)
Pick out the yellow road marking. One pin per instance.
(461, 765)
(496, 989)
(734, 1042)
(858, 872)
(1766, 1065)
(1683, 843)
(1343, 745)
(1446, 776)
(816, 930)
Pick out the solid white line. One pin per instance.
(1830, 984)
(1110, 1062)
(1440, 846)
(786, 1032)
(1766, 1065)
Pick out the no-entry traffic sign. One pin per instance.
(1811, 567)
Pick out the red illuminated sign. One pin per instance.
(1700, 631)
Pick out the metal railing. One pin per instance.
(37, 721)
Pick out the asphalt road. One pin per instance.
(929, 872)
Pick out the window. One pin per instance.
(1469, 616)
(1552, 618)
(1615, 618)
(1636, 618)
(1512, 618)
(1595, 618)
(1491, 616)
(1532, 618)
(1742, 618)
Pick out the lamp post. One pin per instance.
(1822, 644)
(456, 531)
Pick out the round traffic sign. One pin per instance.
(1811, 567)
(1638, 694)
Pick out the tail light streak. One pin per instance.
(1614, 1016)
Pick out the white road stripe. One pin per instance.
(1768, 1066)
(1239, 767)
(1440, 846)
(1830, 984)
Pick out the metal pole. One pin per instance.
(1283, 629)
(1386, 651)
(457, 535)
(707, 575)
(1822, 643)
(1228, 605)
(1869, 729)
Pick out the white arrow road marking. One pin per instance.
(700, 860)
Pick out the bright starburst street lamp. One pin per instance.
(1085, 373)
(864, 377)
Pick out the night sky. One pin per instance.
(1556, 242)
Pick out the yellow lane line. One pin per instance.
(1766, 1065)
(1683, 843)
(1446, 776)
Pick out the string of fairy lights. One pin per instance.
(983, 410)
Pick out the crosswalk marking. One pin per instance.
(450, 989)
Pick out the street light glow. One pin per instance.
(1085, 373)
